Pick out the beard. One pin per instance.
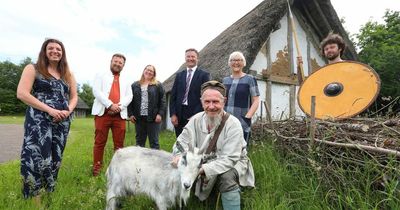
(332, 56)
(213, 121)
(115, 68)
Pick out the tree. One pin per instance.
(9, 78)
(86, 94)
(380, 48)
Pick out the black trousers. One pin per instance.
(146, 129)
(182, 120)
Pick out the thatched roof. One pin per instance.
(81, 104)
(250, 32)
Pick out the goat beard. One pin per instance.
(214, 121)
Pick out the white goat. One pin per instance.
(138, 170)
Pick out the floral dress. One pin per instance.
(44, 140)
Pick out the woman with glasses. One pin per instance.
(147, 107)
(243, 96)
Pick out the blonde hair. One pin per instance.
(154, 80)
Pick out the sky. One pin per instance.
(147, 32)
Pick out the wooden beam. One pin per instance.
(312, 126)
(291, 80)
(268, 95)
(268, 50)
(292, 101)
(268, 91)
(309, 57)
(290, 43)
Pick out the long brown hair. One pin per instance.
(154, 80)
(43, 62)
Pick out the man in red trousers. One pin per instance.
(112, 96)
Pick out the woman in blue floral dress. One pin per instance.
(50, 91)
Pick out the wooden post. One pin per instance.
(312, 127)
(300, 69)
(267, 110)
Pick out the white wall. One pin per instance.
(262, 86)
(260, 62)
(280, 107)
(169, 125)
(280, 93)
(298, 110)
(278, 39)
(315, 54)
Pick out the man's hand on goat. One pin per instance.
(175, 161)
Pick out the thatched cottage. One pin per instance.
(81, 108)
(265, 37)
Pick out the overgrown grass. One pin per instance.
(280, 182)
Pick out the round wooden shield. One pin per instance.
(342, 90)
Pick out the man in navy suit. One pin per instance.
(185, 94)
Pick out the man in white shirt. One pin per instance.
(225, 165)
(112, 96)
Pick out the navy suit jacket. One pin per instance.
(178, 91)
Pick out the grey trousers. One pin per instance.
(228, 181)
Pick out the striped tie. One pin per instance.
(188, 78)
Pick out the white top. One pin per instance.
(101, 90)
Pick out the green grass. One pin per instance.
(280, 182)
(12, 119)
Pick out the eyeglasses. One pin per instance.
(236, 60)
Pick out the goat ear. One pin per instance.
(179, 147)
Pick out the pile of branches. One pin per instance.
(370, 134)
(340, 149)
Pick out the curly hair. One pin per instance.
(333, 39)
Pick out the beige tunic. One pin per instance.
(230, 151)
